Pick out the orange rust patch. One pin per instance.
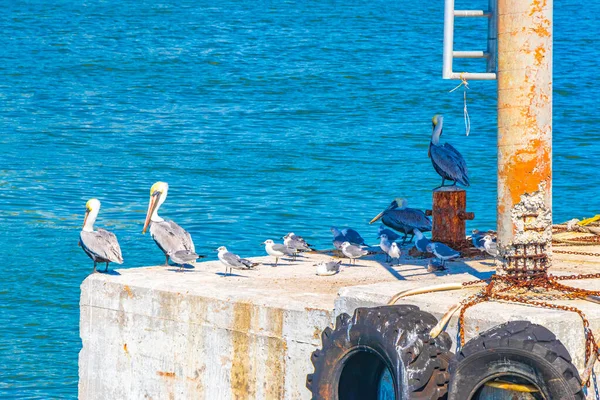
(527, 168)
(537, 6)
(128, 290)
(125, 348)
(540, 52)
(276, 353)
(166, 374)
(243, 382)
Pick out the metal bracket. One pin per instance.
(449, 54)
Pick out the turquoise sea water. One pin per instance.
(264, 117)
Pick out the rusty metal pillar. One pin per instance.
(524, 136)
(450, 216)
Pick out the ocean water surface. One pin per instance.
(263, 117)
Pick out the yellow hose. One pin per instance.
(588, 221)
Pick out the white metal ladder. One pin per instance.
(449, 54)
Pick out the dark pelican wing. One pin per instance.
(101, 246)
(353, 236)
(171, 238)
(406, 219)
(449, 163)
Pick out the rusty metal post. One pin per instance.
(449, 216)
(524, 136)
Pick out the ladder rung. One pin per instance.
(470, 54)
(472, 13)
(482, 76)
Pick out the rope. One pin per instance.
(466, 117)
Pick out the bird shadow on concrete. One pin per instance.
(232, 275)
(109, 272)
(419, 266)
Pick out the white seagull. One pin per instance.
(443, 252)
(394, 252)
(277, 250)
(233, 261)
(329, 268)
(353, 252)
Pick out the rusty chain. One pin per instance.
(535, 290)
(578, 253)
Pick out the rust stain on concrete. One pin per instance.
(125, 348)
(166, 374)
(127, 290)
(243, 380)
(276, 353)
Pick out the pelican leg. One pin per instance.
(106, 269)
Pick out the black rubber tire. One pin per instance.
(517, 348)
(355, 353)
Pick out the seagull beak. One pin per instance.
(378, 216)
(87, 212)
(151, 206)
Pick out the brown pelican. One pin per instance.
(447, 161)
(172, 239)
(99, 245)
(403, 219)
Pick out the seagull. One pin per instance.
(353, 252)
(490, 246)
(443, 252)
(403, 219)
(296, 243)
(392, 236)
(421, 242)
(446, 160)
(277, 250)
(394, 252)
(99, 245)
(329, 267)
(233, 261)
(385, 246)
(171, 238)
(477, 239)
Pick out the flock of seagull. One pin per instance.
(397, 219)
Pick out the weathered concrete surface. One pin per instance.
(159, 334)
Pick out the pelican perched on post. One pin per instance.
(172, 239)
(99, 245)
(403, 219)
(447, 161)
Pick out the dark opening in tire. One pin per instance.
(515, 355)
(365, 375)
(381, 353)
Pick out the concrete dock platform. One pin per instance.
(157, 333)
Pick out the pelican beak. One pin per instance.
(151, 206)
(87, 212)
(378, 216)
